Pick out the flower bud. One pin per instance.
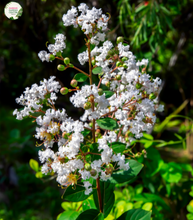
(90, 124)
(137, 155)
(73, 83)
(87, 166)
(124, 59)
(52, 57)
(93, 172)
(100, 91)
(107, 84)
(118, 77)
(144, 152)
(125, 66)
(61, 67)
(91, 98)
(65, 135)
(66, 60)
(63, 159)
(64, 90)
(120, 39)
(127, 139)
(87, 105)
(109, 169)
(118, 63)
(152, 96)
(138, 85)
(93, 62)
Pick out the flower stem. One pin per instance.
(99, 194)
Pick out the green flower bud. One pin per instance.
(118, 77)
(90, 124)
(152, 96)
(109, 169)
(138, 85)
(95, 104)
(127, 139)
(73, 83)
(93, 172)
(144, 152)
(124, 59)
(61, 67)
(93, 62)
(125, 66)
(52, 57)
(91, 98)
(100, 91)
(65, 135)
(120, 39)
(87, 166)
(64, 90)
(118, 63)
(87, 105)
(110, 165)
(66, 60)
(107, 84)
(63, 159)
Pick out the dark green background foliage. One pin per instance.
(160, 30)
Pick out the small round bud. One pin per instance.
(66, 60)
(100, 91)
(107, 84)
(64, 90)
(98, 131)
(91, 98)
(138, 85)
(152, 96)
(125, 66)
(93, 62)
(127, 139)
(137, 155)
(52, 57)
(63, 159)
(87, 166)
(90, 124)
(110, 165)
(93, 172)
(61, 67)
(73, 83)
(120, 39)
(87, 105)
(65, 135)
(118, 77)
(144, 152)
(124, 59)
(118, 63)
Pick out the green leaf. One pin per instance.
(94, 149)
(34, 165)
(117, 147)
(68, 215)
(85, 132)
(88, 204)
(97, 70)
(189, 216)
(108, 94)
(147, 206)
(80, 77)
(125, 176)
(148, 197)
(148, 136)
(171, 172)
(107, 196)
(91, 214)
(75, 195)
(136, 214)
(107, 123)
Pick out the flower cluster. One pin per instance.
(118, 115)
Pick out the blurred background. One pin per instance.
(160, 30)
